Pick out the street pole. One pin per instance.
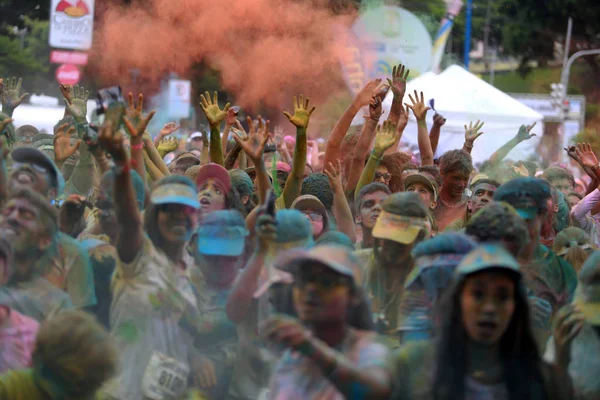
(486, 34)
(468, 33)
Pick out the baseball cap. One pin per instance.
(309, 201)
(587, 295)
(195, 135)
(222, 233)
(175, 193)
(399, 228)
(337, 258)
(281, 166)
(214, 171)
(35, 156)
(424, 179)
(487, 256)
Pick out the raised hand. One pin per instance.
(9, 92)
(586, 155)
(169, 128)
(211, 109)
(334, 173)
(438, 120)
(113, 142)
(76, 102)
(132, 112)
(376, 104)
(63, 148)
(254, 144)
(134, 120)
(525, 132)
(398, 81)
(472, 132)
(231, 117)
(302, 113)
(385, 138)
(365, 96)
(572, 152)
(418, 106)
(167, 145)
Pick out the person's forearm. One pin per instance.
(155, 156)
(347, 377)
(467, 147)
(586, 205)
(225, 137)
(263, 182)
(334, 142)
(285, 155)
(368, 173)
(503, 151)
(241, 297)
(434, 137)
(129, 242)
(152, 169)
(592, 186)
(102, 161)
(157, 139)
(137, 157)
(216, 151)
(232, 156)
(293, 184)
(395, 110)
(343, 214)
(360, 153)
(243, 161)
(3, 180)
(81, 178)
(424, 143)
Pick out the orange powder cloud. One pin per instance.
(265, 50)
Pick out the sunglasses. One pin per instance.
(323, 282)
(386, 177)
(314, 216)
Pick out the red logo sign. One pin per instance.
(68, 57)
(73, 8)
(68, 74)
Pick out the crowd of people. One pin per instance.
(242, 263)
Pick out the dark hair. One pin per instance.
(48, 213)
(433, 171)
(518, 349)
(407, 204)
(498, 222)
(318, 185)
(456, 161)
(519, 190)
(151, 212)
(555, 172)
(373, 187)
(395, 164)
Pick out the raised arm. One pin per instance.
(398, 86)
(334, 142)
(137, 128)
(4, 150)
(419, 109)
(436, 129)
(230, 122)
(254, 147)
(300, 120)
(589, 161)
(365, 140)
(130, 238)
(341, 208)
(523, 135)
(166, 130)
(214, 115)
(386, 136)
(471, 133)
(10, 93)
(63, 148)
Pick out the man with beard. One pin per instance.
(455, 167)
(29, 223)
(402, 224)
(368, 208)
(64, 262)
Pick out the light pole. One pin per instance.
(564, 78)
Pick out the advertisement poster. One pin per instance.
(71, 24)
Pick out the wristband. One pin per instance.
(137, 146)
(468, 145)
(374, 157)
(122, 168)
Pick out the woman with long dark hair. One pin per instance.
(485, 348)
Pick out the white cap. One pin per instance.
(195, 135)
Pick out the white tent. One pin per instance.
(462, 97)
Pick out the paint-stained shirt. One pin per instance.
(17, 340)
(67, 265)
(150, 296)
(298, 377)
(36, 298)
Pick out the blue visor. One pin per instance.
(219, 246)
(527, 213)
(175, 193)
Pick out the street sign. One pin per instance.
(179, 98)
(68, 74)
(71, 24)
(68, 57)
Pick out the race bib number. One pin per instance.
(165, 378)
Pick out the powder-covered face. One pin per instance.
(211, 196)
(176, 222)
(487, 304)
(455, 183)
(482, 195)
(371, 208)
(424, 192)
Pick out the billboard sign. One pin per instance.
(179, 100)
(71, 24)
